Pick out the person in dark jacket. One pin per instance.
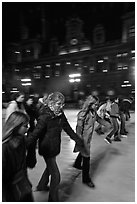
(14, 158)
(31, 111)
(48, 130)
(33, 115)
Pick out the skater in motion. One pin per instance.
(115, 116)
(85, 126)
(48, 130)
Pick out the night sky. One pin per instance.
(92, 13)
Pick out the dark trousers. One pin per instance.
(122, 126)
(115, 129)
(51, 169)
(85, 170)
(83, 162)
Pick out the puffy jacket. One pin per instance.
(48, 131)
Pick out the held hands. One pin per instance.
(80, 143)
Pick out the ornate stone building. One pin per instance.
(78, 67)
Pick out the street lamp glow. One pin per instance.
(25, 80)
(74, 75)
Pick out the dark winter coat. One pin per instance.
(13, 160)
(33, 115)
(48, 131)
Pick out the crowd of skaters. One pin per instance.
(30, 122)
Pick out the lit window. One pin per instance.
(106, 58)
(37, 76)
(25, 80)
(47, 65)
(57, 73)
(17, 52)
(125, 67)
(85, 48)
(57, 64)
(132, 51)
(68, 63)
(91, 69)
(105, 70)
(119, 55)
(74, 75)
(16, 70)
(71, 80)
(126, 82)
(100, 61)
(132, 31)
(77, 80)
(125, 54)
(73, 50)
(119, 68)
(26, 84)
(14, 91)
(63, 52)
(37, 67)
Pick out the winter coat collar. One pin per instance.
(46, 110)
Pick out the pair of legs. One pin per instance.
(51, 169)
(83, 163)
(122, 126)
(102, 122)
(115, 131)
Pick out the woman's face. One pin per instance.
(58, 106)
(23, 129)
(94, 106)
(20, 98)
(29, 101)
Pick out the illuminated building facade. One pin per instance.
(101, 67)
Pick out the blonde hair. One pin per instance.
(13, 123)
(89, 100)
(54, 97)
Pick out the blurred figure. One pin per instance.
(103, 116)
(85, 125)
(48, 130)
(33, 115)
(114, 114)
(31, 111)
(16, 104)
(15, 184)
(123, 131)
(42, 102)
(126, 106)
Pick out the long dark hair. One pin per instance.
(12, 125)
